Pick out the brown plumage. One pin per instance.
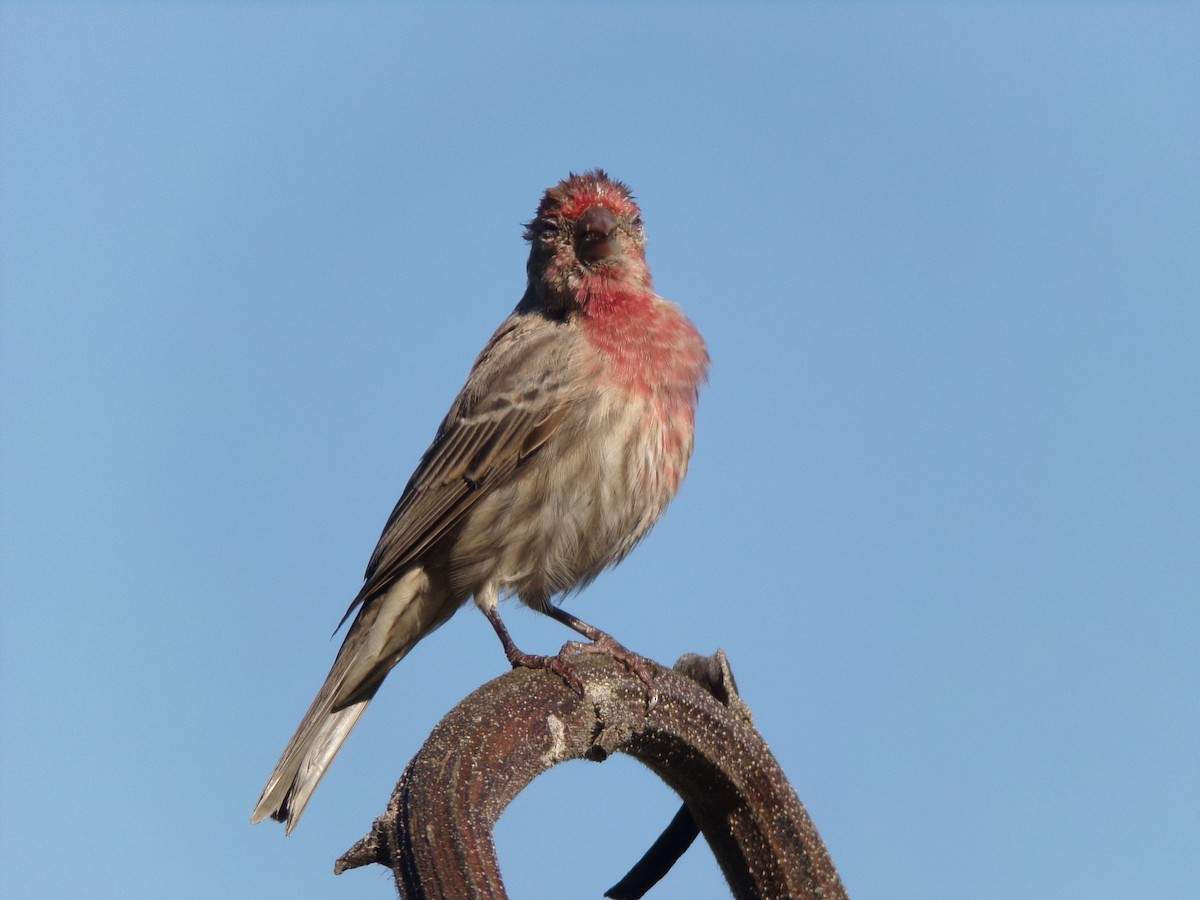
(569, 439)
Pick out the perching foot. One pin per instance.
(645, 670)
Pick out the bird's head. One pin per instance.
(588, 232)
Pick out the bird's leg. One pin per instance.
(603, 642)
(519, 659)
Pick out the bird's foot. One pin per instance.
(645, 669)
(556, 664)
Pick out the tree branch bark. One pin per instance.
(436, 835)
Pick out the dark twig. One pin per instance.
(658, 860)
(436, 835)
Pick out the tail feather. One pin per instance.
(308, 754)
(382, 634)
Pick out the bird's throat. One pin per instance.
(643, 340)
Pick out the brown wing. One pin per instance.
(519, 392)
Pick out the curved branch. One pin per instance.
(436, 835)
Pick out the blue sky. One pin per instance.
(944, 512)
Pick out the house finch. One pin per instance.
(570, 437)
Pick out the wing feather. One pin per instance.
(522, 388)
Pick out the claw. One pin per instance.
(645, 670)
(556, 664)
(597, 642)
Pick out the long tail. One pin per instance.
(382, 634)
(308, 755)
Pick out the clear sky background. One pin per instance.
(944, 512)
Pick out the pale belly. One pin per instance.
(572, 512)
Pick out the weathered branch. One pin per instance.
(436, 835)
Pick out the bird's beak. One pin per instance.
(594, 234)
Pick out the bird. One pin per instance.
(571, 436)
